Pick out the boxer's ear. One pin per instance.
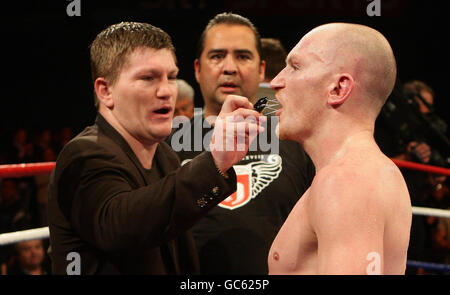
(197, 69)
(340, 90)
(103, 91)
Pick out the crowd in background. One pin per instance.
(409, 129)
(23, 201)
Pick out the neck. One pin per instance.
(210, 113)
(34, 270)
(335, 141)
(211, 110)
(144, 151)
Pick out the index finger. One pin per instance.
(234, 102)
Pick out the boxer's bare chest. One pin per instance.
(294, 250)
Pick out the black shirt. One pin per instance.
(235, 237)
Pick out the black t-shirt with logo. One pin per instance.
(235, 236)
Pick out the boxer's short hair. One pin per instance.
(112, 46)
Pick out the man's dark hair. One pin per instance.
(274, 54)
(110, 49)
(228, 18)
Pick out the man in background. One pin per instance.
(274, 54)
(184, 106)
(234, 238)
(29, 259)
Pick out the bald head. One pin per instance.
(337, 77)
(358, 50)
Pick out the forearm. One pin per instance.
(112, 215)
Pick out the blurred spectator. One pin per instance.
(21, 150)
(403, 132)
(23, 201)
(28, 259)
(274, 54)
(436, 243)
(421, 231)
(421, 96)
(14, 213)
(437, 193)
(43, 141)
(416, 88)
(439, 197)
(65, 135)
(442, 239)
(184, 105)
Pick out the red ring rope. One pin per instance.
(422, 167)
(30, 169)
(22, 170)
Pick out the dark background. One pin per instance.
(46, 74)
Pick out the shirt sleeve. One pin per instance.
(107, 210)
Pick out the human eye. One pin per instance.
(244, 57)
(217, 56)
(147, 78)
(295, 67)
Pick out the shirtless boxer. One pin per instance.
(356, 216)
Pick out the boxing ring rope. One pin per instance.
(23, 170)
(31, 169)
(421, 167)
(428, 265)
(24, 235)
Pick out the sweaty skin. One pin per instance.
(356, 216)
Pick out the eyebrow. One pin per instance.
(316, 56)
(221, 50)
(156, 71)
(289, 59)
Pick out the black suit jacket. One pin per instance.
(124, 219)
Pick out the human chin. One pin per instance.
(160, 133)
(279, 132)
(220, 97)
(282, 131)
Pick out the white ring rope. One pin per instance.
(43, 232)
(24, 235)
(431, 212)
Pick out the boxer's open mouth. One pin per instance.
(163, 111)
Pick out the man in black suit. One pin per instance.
(118, 201)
